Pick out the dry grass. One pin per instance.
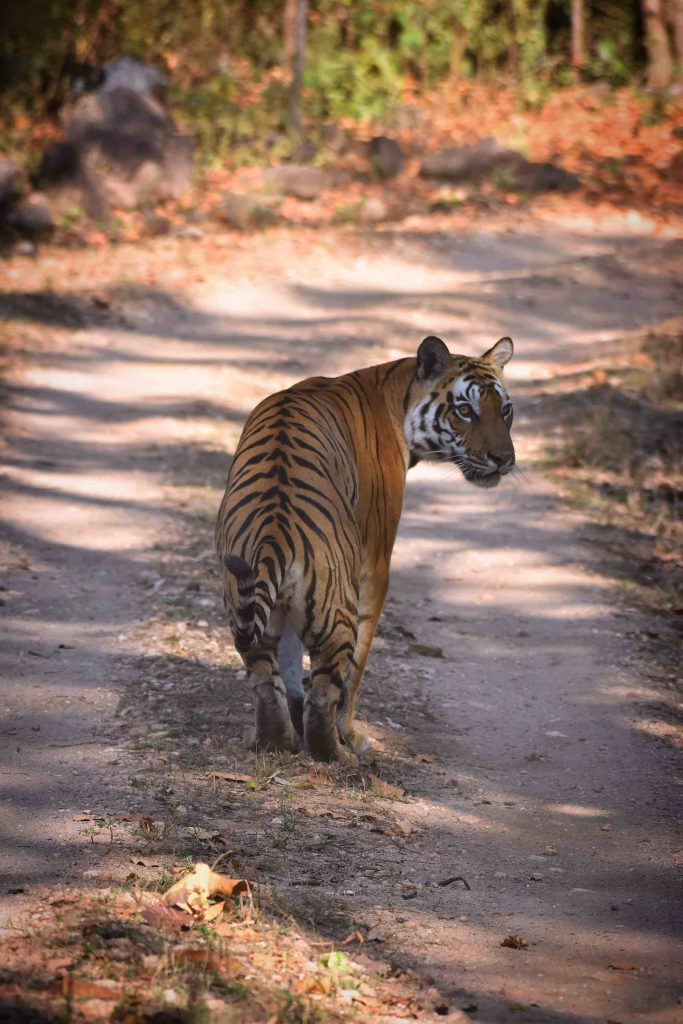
(622, 448)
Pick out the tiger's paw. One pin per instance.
(274, 727)
(356, 739)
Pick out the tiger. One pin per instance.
(307, 524)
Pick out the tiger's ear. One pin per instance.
(432, 359)
(500, 354)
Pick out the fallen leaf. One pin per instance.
(515, 941)
(207, 958)
(425, 650)
(385, 789)
(193, 891)
(214, 911)
(84, 816)
(231, 776)
(626, 967)
(354, 936)
(146, 862)
(148, 825)
(203, 834)
(424, 758)
(311, 780)
(159, 916)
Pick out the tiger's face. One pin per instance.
(462, 413)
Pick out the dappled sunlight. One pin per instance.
(579, 811)
(494, 696)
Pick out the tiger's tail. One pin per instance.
(257, 594)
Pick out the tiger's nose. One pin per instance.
(504, 461)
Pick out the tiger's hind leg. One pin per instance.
(326, 697)
(274, 728)
(290, 655)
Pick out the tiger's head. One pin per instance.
(460, 412)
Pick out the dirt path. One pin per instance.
(531, 752)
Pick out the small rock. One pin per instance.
(243, 212)
(386, 156)
(25, 248)
(300, 180)
(373, 210)
(33, 217)
(156, 225)
(527, 176)
(11, 184)
(189, 231)
(180, 811)
(425, 650)
(461, 163)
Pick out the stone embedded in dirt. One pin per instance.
(373, 210)
(244, 212)
(484, 158)
(11, 185)
(155, 225)
(425, 650)
(528, 176)
(462, 163)
(387, 158)
(31, 217)
(25, 248)
(300, 180)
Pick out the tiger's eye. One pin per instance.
(464, 409)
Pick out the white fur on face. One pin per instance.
(429, 431)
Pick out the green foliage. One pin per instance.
(223, 56)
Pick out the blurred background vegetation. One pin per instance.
(241, 69)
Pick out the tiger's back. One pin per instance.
(305, 533)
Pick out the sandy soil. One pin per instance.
(537, 755)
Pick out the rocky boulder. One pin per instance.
(121, 148)
(11, 185)
(465, 163)
(387, 158)
(31, 217)
(301, 180)
(471, 163)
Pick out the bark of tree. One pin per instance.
(675, 19)
(660, 64)
(296, 15)
(578, 34)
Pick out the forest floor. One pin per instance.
(523, 781)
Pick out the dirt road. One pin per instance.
(537, 766)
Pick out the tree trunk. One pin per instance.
(675, 19)
(660, 64)
(296, 15)
(578, 34)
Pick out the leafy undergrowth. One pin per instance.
(625, 146)
(134, 957)
(623, 455)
